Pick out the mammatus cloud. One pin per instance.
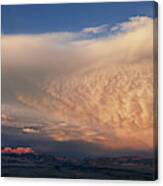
(18, 150)
(94, 90)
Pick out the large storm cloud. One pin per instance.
(93, 89)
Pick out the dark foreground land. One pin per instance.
(37, 165)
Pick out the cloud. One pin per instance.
(5, 117)
(30, 130)
(18, 150)
(94, 90)
(133, 24)
(96, 30)
(12, 135)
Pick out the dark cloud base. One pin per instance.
(40, 143)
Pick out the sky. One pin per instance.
(78, 76)
(18, 19)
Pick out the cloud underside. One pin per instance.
(96, 90)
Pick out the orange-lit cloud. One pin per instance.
(18, 150)
(95, 90)
(30, 130)
(5, 117)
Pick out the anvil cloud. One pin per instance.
(94, 89)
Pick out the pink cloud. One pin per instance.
(18, 150)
